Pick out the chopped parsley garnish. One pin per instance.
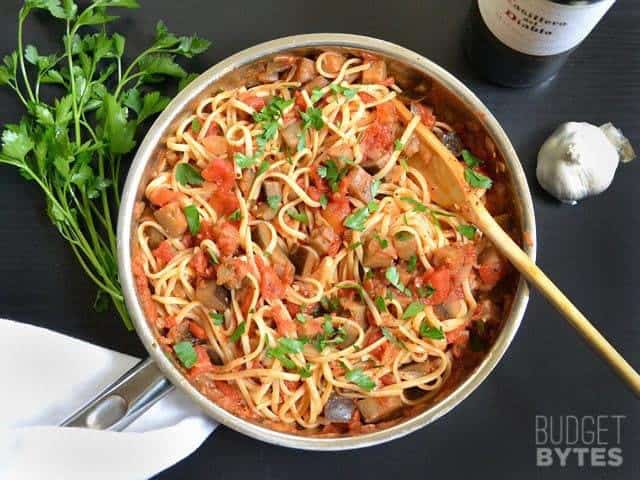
(196, 126)
(470, 159)
(302, 141)
(428, 331)
(348, 93)
(372, 206)
(375, 187)
(355, 287)
(268, 119)
(388, 334)
(236, 216)
(412, 263)
(264, 166)
(393, 277)
(298, 216)
(357, 219)
(324, 201)
(193, 219)
(238, 332)
(426, 291)
(417, 206)
(383, 242)
(218, 318)
(468, 231)
(332, 174)
(186, 354)
(312, 118)
(381, 305)
(358, 377)
(301, 318)
(403, 236)
(354, 245)
(243, 161)
(330, 304)
(316, 94)
(329, 335)
(304, 372)
(404, 164)
(398, 145)
(187, 175)
(476, 179)
(412, 310)
(274, 201)
(213, 258)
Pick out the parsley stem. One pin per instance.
(25, 76)
(72, 81)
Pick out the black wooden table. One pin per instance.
(590, 250)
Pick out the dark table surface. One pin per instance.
(590, 250)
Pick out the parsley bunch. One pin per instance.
(72, 146)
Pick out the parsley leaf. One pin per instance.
(264, 166)
(186, 354)
(348, 93)
(244, 161)
(274, 201)
(187, 175)
(238, 332)
(398, 145)
(476, 179)
(412, 263)
(302, 141)
(468, 231)
(196, 126)
(312, 118)
(381, 305)
(332, 174)
(235, 216)
(431, 332)
(383, 242)
(354, 245)
(393, 276)
(298, 216)
(316, 94)
(412, 310)
(375, 186)
(388, 334)
(356, 221)
(301, 318)
(470, 159)
(324, 201)
(358, 377)
(218, 318)
(426, 292)
(193, 219)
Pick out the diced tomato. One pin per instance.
(386, 113)
(162, 196)
(164, 253)
(270, 284)
(213, 129)
(387, 379)
(227, 237)
(201, 264)
(300, 103)
(491, 274)
(255, 102)
(220, 172)
(426, 114)
(284, 324)
(197, 331)
(224, 201)
(205, 233)
(366, 97)
(203, 362)
(245, 297)
(440, 280)
(187, 240)
(337, 210)
(377, 140)
(388, 82)
(373, 337)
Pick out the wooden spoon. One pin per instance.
(449, 189)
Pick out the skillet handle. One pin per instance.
(124, 400)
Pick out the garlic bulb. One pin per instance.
(580, 159)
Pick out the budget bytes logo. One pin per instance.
(586, 441)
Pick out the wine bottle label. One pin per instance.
(541, 27)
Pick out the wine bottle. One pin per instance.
(520, 43)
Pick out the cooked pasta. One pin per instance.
(293, 263)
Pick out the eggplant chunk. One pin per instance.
(291, 134)
(377, 256)
(155, 238)
(306, 70)
(212, 296)
(231, 272)
(377, 72)
(360, 184)
(322, 239)
(357, 310)
(305, 260)
(245, 183)
(262, 235)
(405, 244)
(375, 160)
(419, 369)
(172, 219)
(318, 82)
(265, 212)
(339, 409)
(271, 188)
(376, 409)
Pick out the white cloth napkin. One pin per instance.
(46, 376)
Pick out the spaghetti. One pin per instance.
(292, 261)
